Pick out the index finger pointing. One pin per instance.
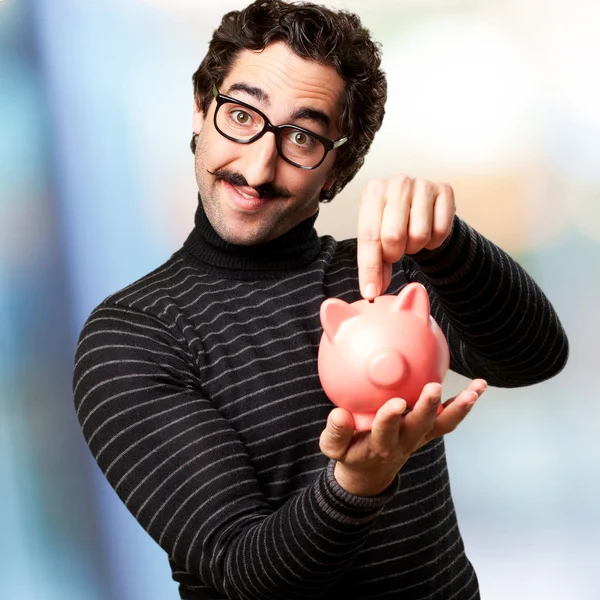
(370, 253)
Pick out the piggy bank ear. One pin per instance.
(334, 312)
(415, 299)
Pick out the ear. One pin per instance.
(327, 191)
(334, 312)
(414, 298)
(326, 195)
(329, 185)
(197, 118)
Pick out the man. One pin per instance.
(197, 387)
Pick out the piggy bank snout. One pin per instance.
(386, 367)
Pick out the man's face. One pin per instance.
(279, 84)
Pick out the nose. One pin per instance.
(260, 160)
(386, 367)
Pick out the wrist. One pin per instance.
(362, 484)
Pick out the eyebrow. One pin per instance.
(251, 90)
(304, 112)
(312, 114)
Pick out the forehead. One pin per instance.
(288, 80)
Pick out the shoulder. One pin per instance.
(156, 301)
(172, 277)
(138, 320)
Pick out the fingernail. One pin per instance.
(370, 290)
(435, 400)
(469, 406)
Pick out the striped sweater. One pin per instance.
(197, 392)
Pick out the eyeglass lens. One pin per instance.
(242, 124)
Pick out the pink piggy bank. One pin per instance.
(373, 351)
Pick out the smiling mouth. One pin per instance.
(247, 192)
(244, 198)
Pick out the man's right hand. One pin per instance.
(367, 462)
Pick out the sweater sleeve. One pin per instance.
(182, 471)
(499, 324)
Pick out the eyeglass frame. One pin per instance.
(328, 144)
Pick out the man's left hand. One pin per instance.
(399, 216)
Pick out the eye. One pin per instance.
(301, 139)
(241, 116)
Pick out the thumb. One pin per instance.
(337, 435)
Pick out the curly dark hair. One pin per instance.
(335, 38)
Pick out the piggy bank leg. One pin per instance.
(363, 421)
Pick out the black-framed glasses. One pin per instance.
(242, 123)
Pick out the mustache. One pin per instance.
(266, 190)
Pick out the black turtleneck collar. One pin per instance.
(293, 250)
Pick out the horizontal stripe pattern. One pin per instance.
(199, 397)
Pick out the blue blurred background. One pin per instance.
(499, 97)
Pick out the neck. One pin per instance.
(291, 251)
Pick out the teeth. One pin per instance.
(246, 195)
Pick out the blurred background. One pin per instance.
(501, 98)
